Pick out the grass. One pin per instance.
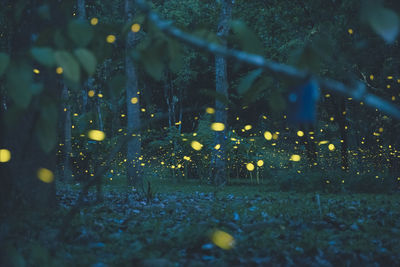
(174, 229)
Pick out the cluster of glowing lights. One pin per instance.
(110, 38)
(5, 155)
(222, 239)
(45, 175)
(135, 27)
(217, 126)
(210, 110)
(268, 135)
(94, 21)
(196, 145)
(250, 167)
(295, 157)
(59, 70)
(96, 135)
(134, 100)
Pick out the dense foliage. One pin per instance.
(95, 93)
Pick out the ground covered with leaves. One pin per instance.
(177, 226)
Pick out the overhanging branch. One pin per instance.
(359, 93)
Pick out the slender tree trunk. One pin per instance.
(81, 9)
(133, 114)
(221, 84)
(341, 116)
(67, 135)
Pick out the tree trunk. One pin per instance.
(67, 174)
(221, 84)
(133, 111)
(343, 134)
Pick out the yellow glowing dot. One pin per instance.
(123, 115)
(196, 145)
(210, 110)
(248, 127)
(327, 181)
(110, 39)
(173, 167)
(275, 136)
(388, 86)
(96, 135)
(152, 115)
(143, 110)
(331, 118)
(91, 93)
(371, 77)
(36, 71)
(5, 155)
(59, 70)
(134, 100)
(100, 95)
(350, 31)
(222, 239)
(264, 117)
(217, 146)
(218, 126)
(268, 135)
(393, 98)
(381, 130)
(295, 158)
(186, 158)
(300, 133)
(331, 147)
(250, 167)
(260, 163)
(135, 27)
(45, 175)
(390, 77)
(94, 21)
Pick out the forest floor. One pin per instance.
(174, 227)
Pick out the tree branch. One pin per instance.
(358, 92)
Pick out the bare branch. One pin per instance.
(358, 93)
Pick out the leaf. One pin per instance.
(4, 61)
(69, 64)
(255, 91)
(385, 22)
(248, 80)
(175, 57)
(246, 37)
(117, 85)
(46, 127)
(276, 102)
(44, 55)
(18, 84)
(87, 60)
(80, 32)
(153, 64)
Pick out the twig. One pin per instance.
(358, 93)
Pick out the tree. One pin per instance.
(132, 102)
(221, 85)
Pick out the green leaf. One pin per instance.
(87, 60)
(385, 22)
(248, 40)
(175, 57)
(80, 32)
(69, 64)
(4, 61)
(248, 80)
(153, 64)
(46, 127)
(277, 102)
(256, 90)
(117, 85)
(18, 84)
(44, 55)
